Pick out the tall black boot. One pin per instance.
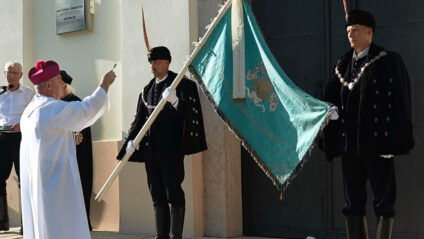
(385, 227)
(162, 222)
(4, 214)
(177, 222)
(356, 227)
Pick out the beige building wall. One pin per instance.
(221, 163)
(30, 35)
(105, 213)
(85, 55)
(11, 25)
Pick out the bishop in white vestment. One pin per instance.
(52, 199)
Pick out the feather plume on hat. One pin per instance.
(146, 38)
(345, 8)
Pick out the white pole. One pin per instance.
(237, 35)
(160, 105)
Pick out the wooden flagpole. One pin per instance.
(161, 104)
(238, 45)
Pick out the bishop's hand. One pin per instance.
(107, 80)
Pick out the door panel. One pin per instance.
(296, 42)
(307, 38)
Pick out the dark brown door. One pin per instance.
(307, 37)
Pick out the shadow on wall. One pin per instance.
(97, 211)
(13, 200)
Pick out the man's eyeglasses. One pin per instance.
(12, 72)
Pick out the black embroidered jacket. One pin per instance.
(384, 119)
(175, 131)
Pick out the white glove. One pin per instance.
(130, 147)
(170, 95)
(387, 156)
(334, 113)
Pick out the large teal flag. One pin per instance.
(277, 122)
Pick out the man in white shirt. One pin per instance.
(52, 198)
(13, 99)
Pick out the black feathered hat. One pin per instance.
(65, 77)
(159, 53)
(360, 17)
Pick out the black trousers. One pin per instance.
(164, 177)
(85, 166)
(86, 176)
(381, 174)
(9, 155)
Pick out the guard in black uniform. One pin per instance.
(84, 150)
(177, 131)
(371, 88)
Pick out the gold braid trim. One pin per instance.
(145, 102)
(351, 85)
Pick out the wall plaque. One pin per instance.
(70, 16)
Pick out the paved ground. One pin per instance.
(14, 234)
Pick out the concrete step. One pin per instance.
(13, 233)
